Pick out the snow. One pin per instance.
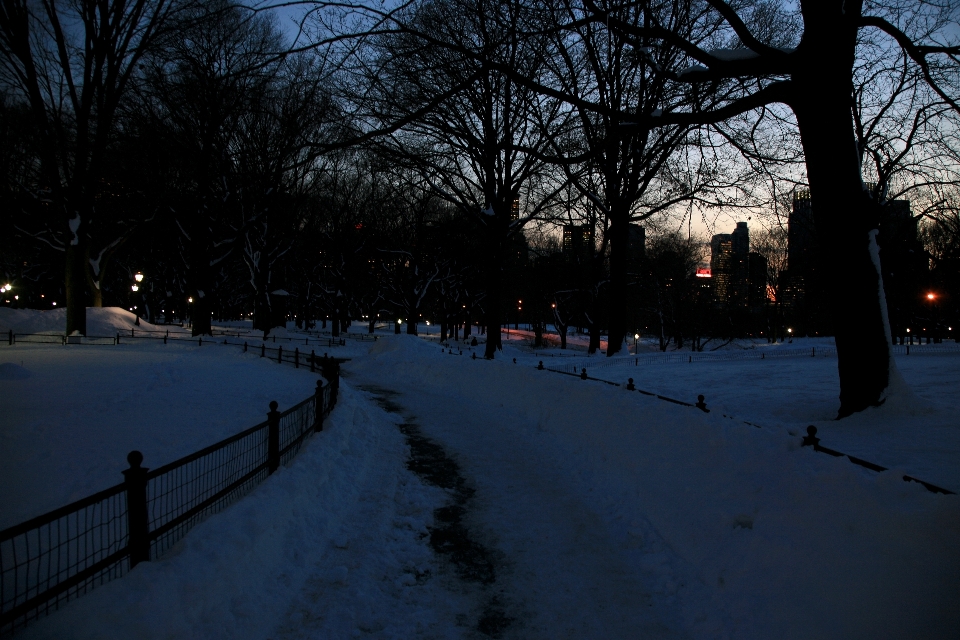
(607, 514)
(101, 321)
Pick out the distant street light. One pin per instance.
(134, 288)
(636, 344)
(138, 277)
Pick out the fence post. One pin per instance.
(131, 332)
(279, 354)
(118, 338)
(10, 337)
(138, 527)
(296, 357)
(313, 360)
(813, 352)
(701, 404)
(263, 349)
(336, 384)
(244, 346)
(200, 341)
(273, 437)
(318, 407)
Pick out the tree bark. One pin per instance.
(494, 283)
(619, 252)
(844, 213)
(75, 287)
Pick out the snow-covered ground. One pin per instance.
(603, 513)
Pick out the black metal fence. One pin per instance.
(134, 334)
(746, 354)
(809, 439)
(65, 553)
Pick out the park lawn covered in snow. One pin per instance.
(611, 514)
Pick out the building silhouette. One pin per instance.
(578, 242)
(637, 244)
(903, 267)
(739, 276)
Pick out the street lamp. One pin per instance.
(138, 277)
(636, 344)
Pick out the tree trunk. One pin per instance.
(201, 314)
(75, 285)
(494, 314)
(844, 214)
(411, 327)
(619, 253)
(594, 338)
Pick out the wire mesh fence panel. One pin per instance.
(183, 493)
(689, 357)
(38, 338)
(921, 349)
(68, 551)
(296, 424)
(62, 554)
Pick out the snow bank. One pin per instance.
(240, 573)
(101, 321)
(11, 371)
(741, 530)
(66, 429)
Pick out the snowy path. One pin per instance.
(560, 573)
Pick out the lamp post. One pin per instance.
(932, 299)
(636, 344)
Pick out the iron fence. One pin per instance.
(747, 354)
(134, 334)
(809, 439)
(65, 553)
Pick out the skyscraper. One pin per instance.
(578, 242)
(739, 277)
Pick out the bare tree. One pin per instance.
(815, 79)
(73, 63)
(481, 147)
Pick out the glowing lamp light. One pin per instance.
(636, 336)
(54, 304)
(908, 329)
(138, 277)
(791, 330)
(134, 288)
(930, 296)
(190, 299)
(428, 323)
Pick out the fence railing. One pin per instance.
(809, 439)
(121, 337)
(65, 553)
(746, 354)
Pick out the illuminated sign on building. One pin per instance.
(703, 273)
